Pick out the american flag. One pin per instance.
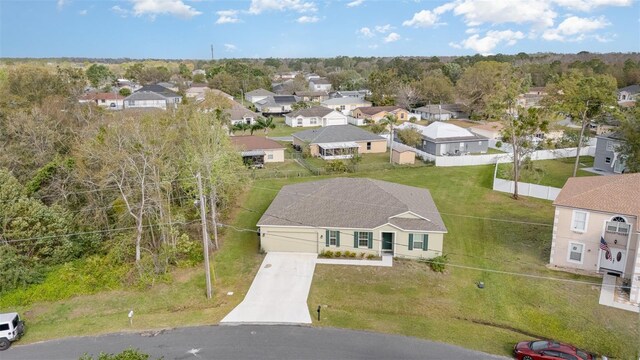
(605, 247)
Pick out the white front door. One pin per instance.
(616, 262)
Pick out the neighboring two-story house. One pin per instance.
(320, 84)
(607, 157)
(596, 227)
(345, 105)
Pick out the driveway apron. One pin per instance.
(278, 294)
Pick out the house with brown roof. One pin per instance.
(375, 113)
(596, 228)
(353, 214)
(315, 116)
(258, 150)
(112, 101)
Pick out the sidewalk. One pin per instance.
(607, 295)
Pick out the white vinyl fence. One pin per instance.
(526, 189)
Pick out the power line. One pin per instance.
(462, 266)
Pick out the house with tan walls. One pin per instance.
(315, 116)
(596, 228)
(339, 142)
(258, 150)
(353, 214)
(376, 113)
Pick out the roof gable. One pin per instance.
(336, 133)
(251, 142)
(158, 89)
(316, 111)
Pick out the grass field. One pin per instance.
(406, 299)
(550, 172)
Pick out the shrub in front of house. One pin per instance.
(437, 264)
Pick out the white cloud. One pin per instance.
(163, 7)
(477, 12)
(374, 46)
(383, 29)
(575, 28)
(120, 11)
(82, 12)
(307, 19)
(355, 3)
(486, 44)
(227, 17)
(366, 32)
(259, 6)
(424, 18)
(61, 3)
(472, 31)
(392, 37)
(230, 47)
(588, 5)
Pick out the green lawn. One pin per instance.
(368, 162)
(550, 172)
(282, 129)
(406, 299)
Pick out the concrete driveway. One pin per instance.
(278, 294)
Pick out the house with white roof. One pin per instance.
(345, 104)
(442, 139)
(315, 116)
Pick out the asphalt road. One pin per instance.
(247, 342)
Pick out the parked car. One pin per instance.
(11, 329)
(549, 350)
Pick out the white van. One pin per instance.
(11, 329)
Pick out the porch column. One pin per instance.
(634, 296)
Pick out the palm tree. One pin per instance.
(241, 126)
(265, 124)
(389, 120)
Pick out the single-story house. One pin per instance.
(257, 95)
(607, 157)
(596, 227)
(315, 116)
(239, 114)
(257, 150)
(147, 99)
(319, 84)
(434, 112)
(459, 111)
(311, 76)
(628, 93)
(276, 104)
(353, 214)
(339, 142)
(531, 98)
(312, 96)
(491, 130)
(345, 104)
(375, 113)
(172, 98)
(108, 100)
(441, 138)
(198, 92)
(357, 94)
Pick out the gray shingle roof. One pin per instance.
(345, 101)
(356, 203)
(318, 111)
(321, 81)
(145, 95)
(336, 133)
(633, 89)
(158, 89)
(260, 92)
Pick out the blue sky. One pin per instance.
(313, 28)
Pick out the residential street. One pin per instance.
(248, 342)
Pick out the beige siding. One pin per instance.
(377, 146)
(563, 235)
(307, 239)
(277, 155)
(404, 157)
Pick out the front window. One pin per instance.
(607, 160)
(333, 237)
(270, 156)
(420, 242)
(299, 122)
(369, 145)
(363, 239)
(618, 225)
(313, 121)
(575, 252)
(579, 222)
(342, 107)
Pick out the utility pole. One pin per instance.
(212, 52)
(205, 236)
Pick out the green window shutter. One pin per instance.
(370, 240)
(425, 242)
(355, 239)
(410, 241)
(338, 239)
(326, 238)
